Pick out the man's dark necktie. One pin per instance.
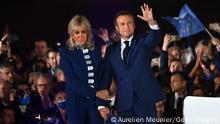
(179, 102)
(125, 52)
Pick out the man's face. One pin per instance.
(43, 86)
(125, 26)
(176, 66)
(177, 84)
(41, 48)
(6, 74)
(5, 88)
(52, 59)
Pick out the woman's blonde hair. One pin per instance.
(74, 25)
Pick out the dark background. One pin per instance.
(48, 19)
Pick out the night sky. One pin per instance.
(48, 19)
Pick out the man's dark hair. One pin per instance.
(52, 50)
(175, 60)
(121, 13)
(5, 65)
(182, 75)
(44, 75)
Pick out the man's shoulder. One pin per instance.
(114, 45)
(140, 36)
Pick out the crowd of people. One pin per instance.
(95, 76)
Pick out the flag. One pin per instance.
(187, 23)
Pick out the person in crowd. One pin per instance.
(5, 49)
(59, 75)
(174, 100)
(23, 93)
(8, 115)
(52, 63)
(40, 104)
(160, 109)
(6, 71)
(80, 61)
(41, 49)
(216, 84)
(6, 99)
(169, 51)
(58, 96)
(32, 80)
(128, 61)
(197, 91)
(175, 65)
(203, 69)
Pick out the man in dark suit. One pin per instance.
(40, 105)
(128, 61)
(52, 63)
(174, 100)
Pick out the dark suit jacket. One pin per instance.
(137, 87)
(35, 108)
(170, 111)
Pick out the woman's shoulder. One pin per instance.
(65, 50)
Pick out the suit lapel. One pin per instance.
(118, 54)
(132, 47)
(118, 63)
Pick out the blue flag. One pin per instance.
(187, 23)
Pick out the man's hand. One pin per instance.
(147, 15)
(104, 112)
(166, 41)
(102, 94)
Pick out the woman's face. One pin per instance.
(175, 66)
(80, 35)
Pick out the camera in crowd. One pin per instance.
(51, 117)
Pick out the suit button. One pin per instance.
(87, 97)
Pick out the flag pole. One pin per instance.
(209, 33)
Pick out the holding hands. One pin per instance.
(104, 112)
(102, 94)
